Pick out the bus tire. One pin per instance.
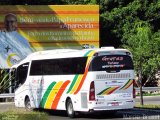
(70, 109)
(28, 104)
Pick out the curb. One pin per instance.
(4, 103)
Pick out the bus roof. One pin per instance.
(63, 53)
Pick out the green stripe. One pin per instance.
(87, 53)
(103, 91)
(46, 94)
(125, 84)
(73, 83)
(76, 76)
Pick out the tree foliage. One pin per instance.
(144, 44)
(119, 21)
(5, 80)
(134, 24)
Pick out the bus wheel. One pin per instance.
(69, 108)
(28, 104)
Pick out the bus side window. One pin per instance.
(80, 65)
(36, 67)
(22, 71)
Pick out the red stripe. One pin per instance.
(113, 90)
(82, 81)
(59, 94)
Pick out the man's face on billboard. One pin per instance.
(10, 23)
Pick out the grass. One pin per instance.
(149, 94)
(148, 106)
(23, 115)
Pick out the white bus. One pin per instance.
(76, 80)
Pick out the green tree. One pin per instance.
(144, 45)
(5, 80)
(118, 18)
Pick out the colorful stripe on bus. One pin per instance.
(79, 79)
(53, 94)
(127, 85)
(108, 90)
(55, 90)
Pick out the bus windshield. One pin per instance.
(111, 63)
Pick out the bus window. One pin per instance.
(51, 67)
(64, 66)
(36, 67)
(111, 63)
(22, 71)
(73, 65)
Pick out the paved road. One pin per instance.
(7, 106)
(153, 100)
(132, 114)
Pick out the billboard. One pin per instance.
(27, 28)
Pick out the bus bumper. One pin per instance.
(111, 105)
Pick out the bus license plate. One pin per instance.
(115, 104)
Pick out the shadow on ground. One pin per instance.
(121, 114)
(93, 115)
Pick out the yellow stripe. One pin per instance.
(49, 7)
(75, 31)
(9, 59)
(42, 47)
(88, 60)
(107, 91)
(52, 95)
(91, 53)
(74, 45)
(76, 84)
(90, 57)
(74, 7)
